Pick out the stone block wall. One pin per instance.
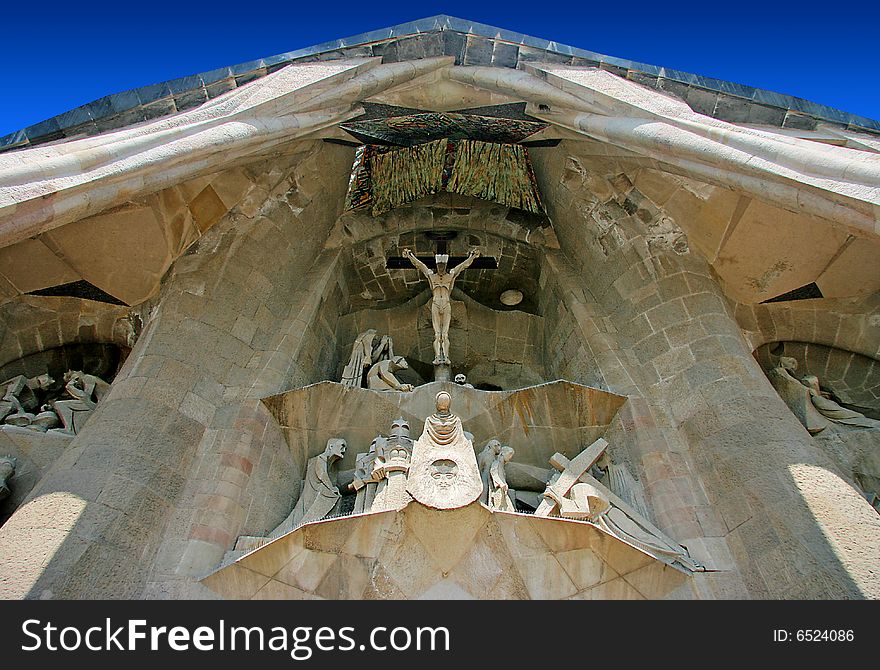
(180, 458)
(504, 349)
(724, 462)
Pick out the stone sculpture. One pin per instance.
(491, 461)
(320, 495)
(7, 470)
(441, 283)
(46, 419)
(444, 472)
(86, 392)
(381, 375)
(620, 481)
(366, 477)
(573, 493)
(461, 380)
(20, 398)
(364, 353)
(833, 411)
(392, 467)
(814, 410)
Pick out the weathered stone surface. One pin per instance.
(217, 220)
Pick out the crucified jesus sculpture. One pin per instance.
(440, 283)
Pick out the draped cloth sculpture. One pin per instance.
(20, 399)
(320, 495)
(365, 352)
(366, 478)
(809, 405)
(496, 492)
(444, 472)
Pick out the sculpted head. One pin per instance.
(444, 473)
(399, 363)
(788, 363)
(442, 261)
(460, 378)
(7, 466)
(812, 382)
(400, 428)
(44, 381)
(494, 447)
(444, 402)
(335, 448)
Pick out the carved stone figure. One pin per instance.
(20, 398)
(86, 391)
(441, 283)
(46, 419)
(815, 411)
(491, 461)
(620, 481)
(575, 494)
(320, 495)
(381, 375)
(364, 353)
(461, 380)
(7, 469)
(444, 472)
(833, 411)
(391, 468)
(366, 478)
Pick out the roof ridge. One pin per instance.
(145, 103)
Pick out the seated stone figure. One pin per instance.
(320, 495)
(365, 352)
(381, 375)
(86, 392)
(20, 398)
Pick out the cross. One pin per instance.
(442, 241)
(571, 472)
(440, 283)
(578, 470)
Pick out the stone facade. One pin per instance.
(244, 284)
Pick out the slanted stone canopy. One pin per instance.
(688, 222)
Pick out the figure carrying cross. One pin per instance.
(441, 283)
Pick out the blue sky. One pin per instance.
(56, 57)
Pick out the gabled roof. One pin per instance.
(471, 44)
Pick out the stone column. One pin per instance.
(729, 471)
(180, 458)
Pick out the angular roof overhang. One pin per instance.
(83, 180)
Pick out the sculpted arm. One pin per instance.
(466, 263)
(424, 269)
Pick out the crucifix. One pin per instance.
(441, 280)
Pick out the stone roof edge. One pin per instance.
(165, 98)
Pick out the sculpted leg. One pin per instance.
(436, 321)
(445, 318)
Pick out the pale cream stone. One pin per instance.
(444, 472)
